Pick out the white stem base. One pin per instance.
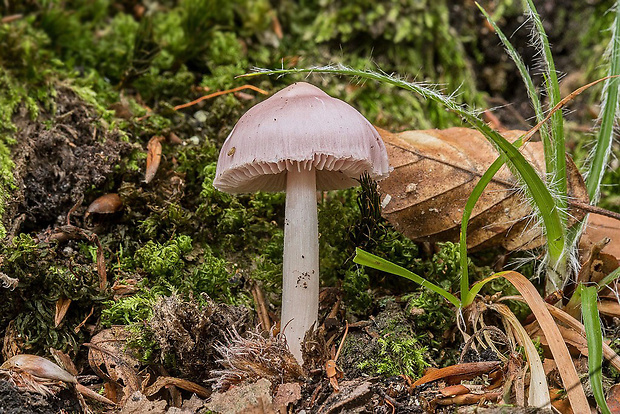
(300, 287)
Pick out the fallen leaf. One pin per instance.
(62, 306)
(106, 204)
(452, 390)
(177, 382)
(468, 399)
(13, 341)
(600, 227)
(153, 157)
(560, 402)
(64, 361)
(243, 399)
(609, 308)
(567, 319)
(613, 399)
(108, 357)
(288, 393)
(434, 174)
(458, 372)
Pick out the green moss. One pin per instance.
(399, 351)
(175, 267)
(397, 356)
(129, 310)
(44, 277)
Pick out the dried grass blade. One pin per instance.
(568, 373)
(560, 315)
(539, 388)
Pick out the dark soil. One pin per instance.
(13, 401)
(57, 164)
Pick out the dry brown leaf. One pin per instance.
(452, 390)
(64, 361)
(600, 227)
(468, 399)
(434, 174)
(106, 204)
(13, 341)
(62, 306)
(560, 402)
(613, 399)
(153, 157)
(124, 287)
(458, 372)
(609, 308)
(288, 393)
(177, 382)
(578, 344)
(564, 317)
(108, 357)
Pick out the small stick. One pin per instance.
(213, 95)
(11, 18)
(346, 331)
(261, 307)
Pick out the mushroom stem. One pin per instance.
(300, 287)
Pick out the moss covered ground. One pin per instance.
(86, 84)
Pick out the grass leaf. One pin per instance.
(594, 335)
(557, 165)
(370, 260)
(608, 116)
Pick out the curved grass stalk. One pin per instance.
(539, 388)
(594, 336)
(556, 162)
(608, 116)
(370, 260)
(532, 93)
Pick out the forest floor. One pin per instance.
(120, 259)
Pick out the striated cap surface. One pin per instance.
(300, 127)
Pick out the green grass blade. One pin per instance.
(608, 279)
(525, 76)
(608, 116)
(594, 335)
(370, 260)
(543, 201)
(558, 162)
(466, 296)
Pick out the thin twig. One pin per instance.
(213, 95)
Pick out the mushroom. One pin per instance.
(300, 140)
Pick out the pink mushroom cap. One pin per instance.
(300, 127)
